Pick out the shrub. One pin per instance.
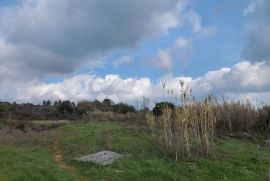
(159, 107)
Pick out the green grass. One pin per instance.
(143, 161)
(231, 158)
(24, 163)
(2, 121)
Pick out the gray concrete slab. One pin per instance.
(101, 158)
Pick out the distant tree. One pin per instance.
(66, 107)
(84, 106)
(123, 108)
(48, 103)
(108, 102)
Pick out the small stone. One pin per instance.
(101, 158)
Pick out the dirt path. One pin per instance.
(60, 162)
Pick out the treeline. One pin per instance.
(60, 109)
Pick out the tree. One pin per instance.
(66, 107)
(84, 106)
(123, 108)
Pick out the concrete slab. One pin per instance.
(101, 158)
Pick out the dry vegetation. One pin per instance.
(235, 116)
(187, 129)
(13, 137)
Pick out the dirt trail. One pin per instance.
(60, 162)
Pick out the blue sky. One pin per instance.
(122, 49)
(222, 49)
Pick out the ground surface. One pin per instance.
(54, 159)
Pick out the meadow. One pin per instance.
(26, 158)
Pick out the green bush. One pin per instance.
(159, 107)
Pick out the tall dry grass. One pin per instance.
(186, 130)
(235, 116)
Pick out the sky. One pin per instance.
(126, 50)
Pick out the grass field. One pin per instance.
(2, 121)
(231, 160)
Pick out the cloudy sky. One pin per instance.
(125, 50)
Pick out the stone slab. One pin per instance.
(101, 158)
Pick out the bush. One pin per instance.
(159, 107)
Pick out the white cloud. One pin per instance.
(243, 80)
(250, 8)
(87, 87)
(180, 50)
(242, 77)
(164, 60)
(183, 46)
(194, 20)
(122, 60)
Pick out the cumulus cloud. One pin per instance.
(243, 77)
(257, 28)
(40, 37)
(244, 80)
(87, 87)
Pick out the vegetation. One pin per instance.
(263, 123)
(236, 116)
(60, 110)
(159, 107)
(187, 139)
(232, 159)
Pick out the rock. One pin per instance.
(267, 143)
(101, 158)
